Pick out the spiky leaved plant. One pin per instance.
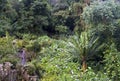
(84, 47)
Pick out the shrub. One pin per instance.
(6, 47)
(112, 63)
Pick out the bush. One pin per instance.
(90, 75)
(6, 47)
(112, 63)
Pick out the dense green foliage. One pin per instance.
(64, 40)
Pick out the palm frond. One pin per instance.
(83, 45)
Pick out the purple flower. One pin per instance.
(22, 56)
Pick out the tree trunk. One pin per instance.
(84, 64)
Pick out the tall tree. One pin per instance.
(34, 16)
(8, 15)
